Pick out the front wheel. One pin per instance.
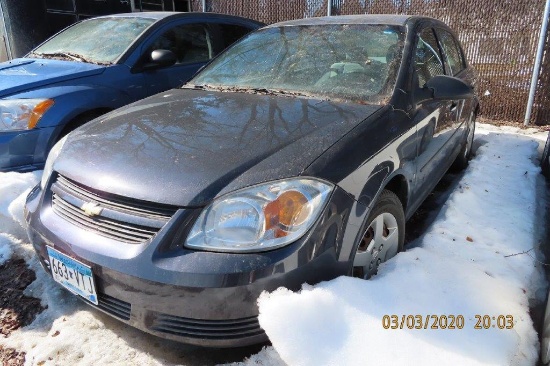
(383, 237)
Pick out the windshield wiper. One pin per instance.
(65, 55)
(193, 86)
(243, 89)
(283, 92)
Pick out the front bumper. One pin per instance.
(24, 150)
(200, 298)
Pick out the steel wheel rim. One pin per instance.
(380, 242)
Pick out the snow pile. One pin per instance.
(464, 265)
(14, 188)
(5, 248)
(70, 334)
(467, 264)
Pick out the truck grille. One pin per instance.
(115, 217)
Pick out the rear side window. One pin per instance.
(427, 60)
(452, 51)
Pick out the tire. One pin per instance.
(383, 237)
(465, 154)
(544, 163)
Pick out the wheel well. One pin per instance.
(398, 185)
(81, 119)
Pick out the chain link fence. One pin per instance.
(499, 37)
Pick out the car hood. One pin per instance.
(23, 74)
(185, 147)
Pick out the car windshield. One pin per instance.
(343, 61)
(100, 41)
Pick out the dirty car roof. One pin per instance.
(150, 14)
(390, 19)
(165, 14)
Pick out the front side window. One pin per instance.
(188, 42)
(427, 60)
(231, 33)
(451, 50)
(353, 62)
(101, 40)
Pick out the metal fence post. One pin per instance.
(4, 32)
(329, 7)
(204, 5)
(536, 68)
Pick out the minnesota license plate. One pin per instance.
(73, 275)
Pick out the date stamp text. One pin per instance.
(431, 321)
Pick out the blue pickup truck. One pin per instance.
(98, 65)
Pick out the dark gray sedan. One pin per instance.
(294, 157)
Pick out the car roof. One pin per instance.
(158, 15)
(389, 19)
(138, 14)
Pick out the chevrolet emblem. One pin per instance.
(91, 208)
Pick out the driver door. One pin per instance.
(436, 120)
(192, 47)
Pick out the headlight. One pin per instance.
(48, 167)
(22, 114)
(260, 218)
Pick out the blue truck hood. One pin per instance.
(24, 74)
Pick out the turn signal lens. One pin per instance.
(38, 111)
(289, 209)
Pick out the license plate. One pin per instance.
(73, 275)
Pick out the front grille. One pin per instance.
(123, 204)
(120, 218)
(113, 306)
(207, 329)
(107, 227)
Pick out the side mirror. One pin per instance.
(163, 58)
(160, 59)
(443, 87)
